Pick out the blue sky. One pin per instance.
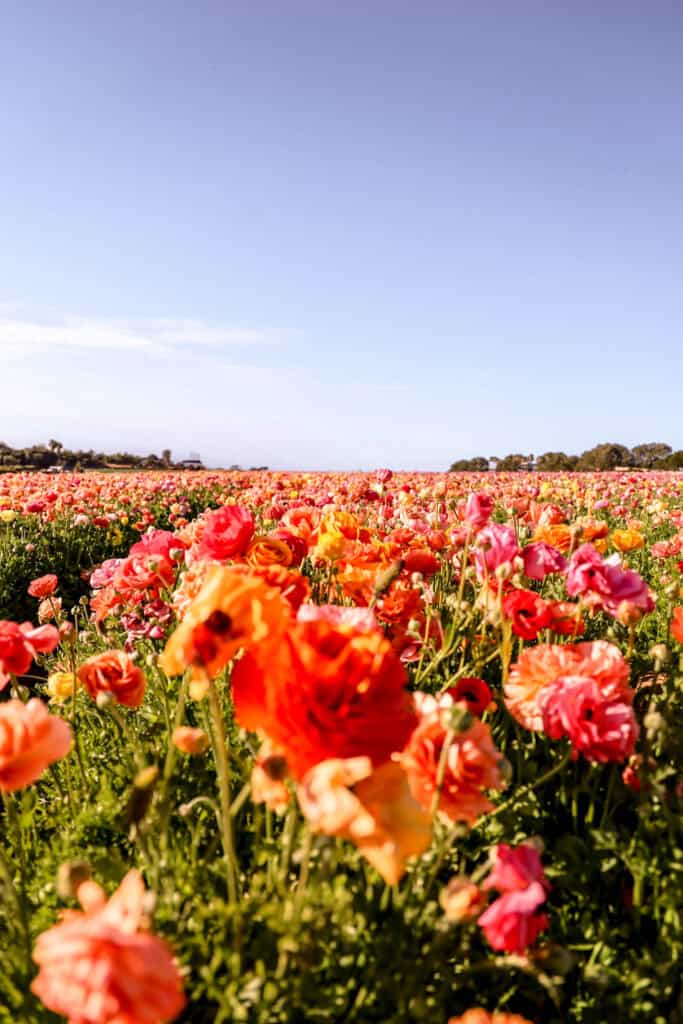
(325, 235)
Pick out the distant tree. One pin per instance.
(555, 462)
(476, 465)
(605, 457)
(648, 455)
(166, 456)
(673, 461)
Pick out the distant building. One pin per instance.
(191, 464)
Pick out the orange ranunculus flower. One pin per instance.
(479, 1016)
(230, 612)
(103, 966)
(114, 672)
(539, 666)
(325, 691)
(189, 740)
(265, 551)
(557, 534)
(593, 530)
(627, 540)
(472, 765)
(30, 740)
(677, 624)
(374, 809)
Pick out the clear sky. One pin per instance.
(318, 234)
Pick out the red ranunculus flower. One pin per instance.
(43, 586)
(528, 613)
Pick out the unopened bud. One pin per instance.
(104, 699)
(70, 875)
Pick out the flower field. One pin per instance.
(296, 747)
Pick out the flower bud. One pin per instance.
(70, 875)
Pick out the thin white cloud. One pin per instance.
(21, 337)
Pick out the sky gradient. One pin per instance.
(323, 235)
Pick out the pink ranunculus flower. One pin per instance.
(102, 966)
(515, 868)
(601, 728)
(104, 574)
(512, 922)
(541, 559)
(360, 618)
(496, 546)
(478, 510)
(605, 584)
(226, 534)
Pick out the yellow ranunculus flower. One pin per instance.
(60, 686)
(627, 540)
(7, 515)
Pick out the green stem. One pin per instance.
(223, 772)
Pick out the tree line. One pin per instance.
(654, 455)
(42, 456)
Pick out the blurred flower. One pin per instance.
(515, 867)
(115, 673)
(30, 740)
(461, 900)
(479, 1016)
(231, 611)
(189, 740)
(268, 550)
(512, 922)
(102, 966)
(627, 540)
(541, 559)
(374, 809)
(676, 628)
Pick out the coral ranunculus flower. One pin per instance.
(30, 740)
(325, 691)
(43, 586)
(472, 765)
(232, 610)
(227, 532)
(677, 624)
(479, 1016)
(116, 673)
(101, 966)
(374, 809)
(539, 666)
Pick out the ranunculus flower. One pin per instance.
(600, 728)
(496, 546)
(540, 560)
(268, 550)
(102, 966)
(461, 899)
(116, 673)
(474, 692)
(528, 613)
(627, 540)
(338, 615)
(43, 586)
(19, 645)
(479, 1016)
(512, 922)
(190, 740)
(421, 560)
(515, 867)
(565, 618)
(372, 808)
(539, 666)
(325, 692)
(232, 610)
(676, 628)
(227, 532)
(605, 583)
(471, 766)
(60, 686)
(30, 740)
(478, 510)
